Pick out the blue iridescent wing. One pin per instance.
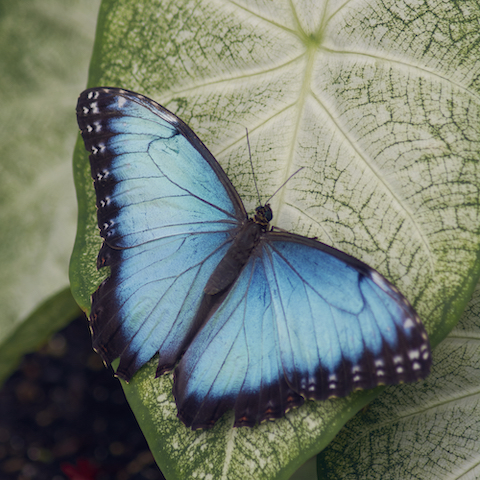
(167, 213)
(303, 320)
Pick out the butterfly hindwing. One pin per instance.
(302, 321)
(166, 212)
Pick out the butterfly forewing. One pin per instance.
(167, 218)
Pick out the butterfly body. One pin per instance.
(240, 251)
(252, 319)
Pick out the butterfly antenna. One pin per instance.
(253, 171)
(283, 184)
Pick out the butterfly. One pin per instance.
(250, 318)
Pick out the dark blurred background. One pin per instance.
(64, 416)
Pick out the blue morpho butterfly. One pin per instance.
(252, 319)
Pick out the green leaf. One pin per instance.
(377, 100)
(422, 433)
(46, 320)
(46, 46)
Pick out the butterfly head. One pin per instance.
(263, 215)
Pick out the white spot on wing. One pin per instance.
(413, 354)
(379, 280)
(94, 108)
(169, 117)
(397, 359)
(121, 102)
(408, 323)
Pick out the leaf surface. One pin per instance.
(378, 101)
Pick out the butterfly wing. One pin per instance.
(167, 214)
(303, 320)
(234, 362)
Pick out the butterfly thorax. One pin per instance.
(237, 255)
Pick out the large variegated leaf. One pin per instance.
(378, 100)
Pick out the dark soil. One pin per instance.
(63, 416)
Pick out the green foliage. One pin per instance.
(45, 48)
